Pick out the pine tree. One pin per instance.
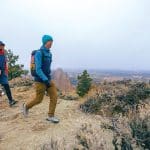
(15, 70)
(84, 83)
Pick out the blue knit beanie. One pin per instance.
(46, 38)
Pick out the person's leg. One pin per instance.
(9, 95)
(52, 92)
(8, 92)
(40, 91)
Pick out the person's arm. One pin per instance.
(38, 65)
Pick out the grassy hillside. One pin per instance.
(112, 116)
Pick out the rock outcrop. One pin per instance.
(62, 80)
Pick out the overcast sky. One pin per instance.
(95, 34)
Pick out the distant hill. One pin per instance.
(109, 75)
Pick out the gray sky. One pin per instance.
(102, 34)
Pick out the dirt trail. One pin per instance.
(19, 133)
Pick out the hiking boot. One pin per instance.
(12, 103)
(53, 119)
(25, 111)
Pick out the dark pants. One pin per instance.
(8, 92)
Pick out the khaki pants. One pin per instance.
(40, 92)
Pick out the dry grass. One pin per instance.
(76, 131)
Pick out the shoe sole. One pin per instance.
(52, 121)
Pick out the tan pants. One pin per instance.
(40, 92)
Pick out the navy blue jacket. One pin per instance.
(3, 76)
(43, 60)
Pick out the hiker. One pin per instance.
(4, 74)
(42, 76)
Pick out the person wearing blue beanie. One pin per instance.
(43, 82)
(46, 38)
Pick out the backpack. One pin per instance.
(32, 63)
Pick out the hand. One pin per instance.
(47, 83)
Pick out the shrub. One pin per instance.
(117, 103)
(137, 92)
(94, 104)
(141, 131)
